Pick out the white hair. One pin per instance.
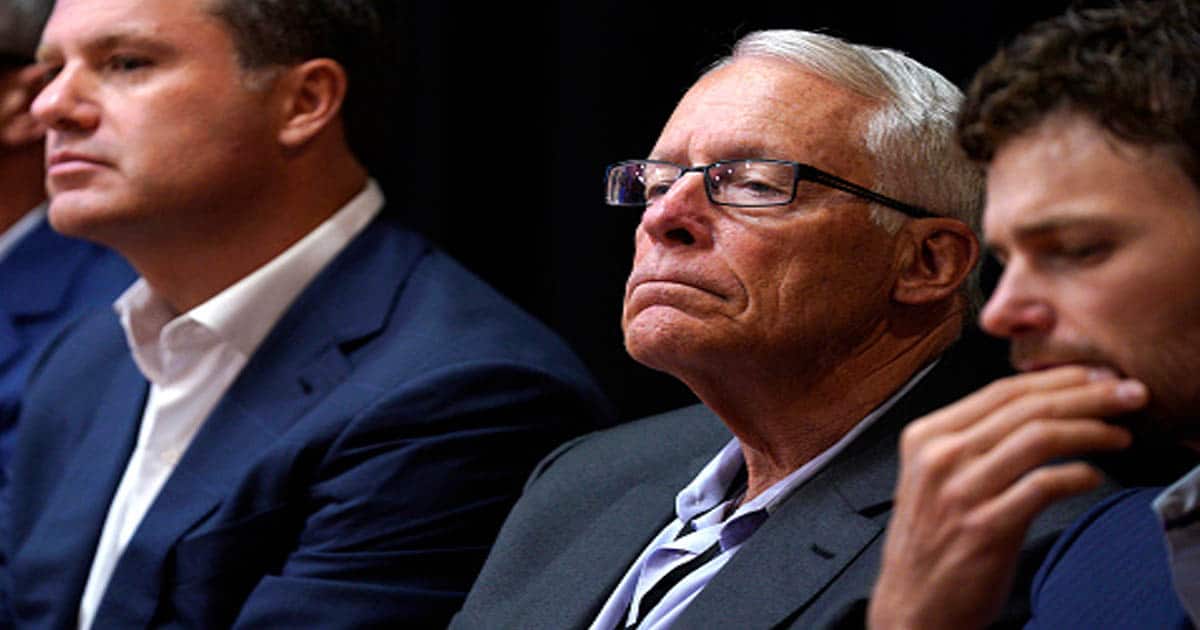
(910, 137)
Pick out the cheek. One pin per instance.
(1145, 322)
(835, 277)
(641, 245)
(1148, 305)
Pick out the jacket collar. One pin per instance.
(302, 360)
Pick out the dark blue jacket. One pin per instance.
(46, 281)
(354, 475)
(1110, 570)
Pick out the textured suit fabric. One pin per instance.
(354, 475)
(595, 503)
(46, 281)
(1110, 570)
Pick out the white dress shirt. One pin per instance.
(705, 517)
(193, 358)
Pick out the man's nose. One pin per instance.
(681, 217)
(64, 103)
(1017, 306)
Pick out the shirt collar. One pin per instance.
(144, 315)
(244, 313)
(1181, 501)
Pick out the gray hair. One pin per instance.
(21, 23)
(911, 137)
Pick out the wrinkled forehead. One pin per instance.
(768, 108)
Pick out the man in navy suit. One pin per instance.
(1090, 128)
(301, 414)
(46, 279)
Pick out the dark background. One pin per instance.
(504, 116)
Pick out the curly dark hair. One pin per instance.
(1133, 68)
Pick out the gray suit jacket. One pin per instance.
(593, 505)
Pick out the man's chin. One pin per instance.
(664, 344)
(80, 214)
(71, 214)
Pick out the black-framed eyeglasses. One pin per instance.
(738, 183)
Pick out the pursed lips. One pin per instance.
(1035, 353)
(63, 159)
(689, 281)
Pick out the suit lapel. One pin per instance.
(301, 361)
(11, 343)
(805, 544)
(60, 567)
(31, 287)
(572, 590)
(826, 524)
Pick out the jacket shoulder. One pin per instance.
(1109, 570)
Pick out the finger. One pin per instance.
(1010, 513)
(1031, 446)
(1004, 391)
(1094, 399)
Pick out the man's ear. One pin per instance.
(314, 92)
(941, 254)
(18, 88)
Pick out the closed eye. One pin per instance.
(1084, 253)
(127, 63)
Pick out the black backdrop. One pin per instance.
(504, 115)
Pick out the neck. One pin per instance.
(207, 250)
(21, 179)
(784, 419)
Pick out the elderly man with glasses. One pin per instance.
(804, 264)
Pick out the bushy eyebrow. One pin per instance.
(1048, 225)
(1058, 222)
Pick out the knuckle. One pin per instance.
(1038, 438)
(943, 454)
(937, 458)
(1042, 486)
(978, 527)
(1006, 388)
(914, 436)
(1049, 438)
(956, 497)
(1035, 407)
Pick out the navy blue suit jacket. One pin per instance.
(1110, 570)
(46, 281)
(354, 475)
